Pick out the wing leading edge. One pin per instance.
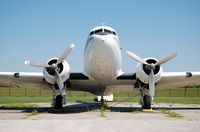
(179, 79)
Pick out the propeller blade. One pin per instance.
(35, 63)
(61, 86)
(64, 55)
(151, 84)
(136, 57)
(59, 81)
(167, 58)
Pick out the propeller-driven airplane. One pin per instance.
(103, 73)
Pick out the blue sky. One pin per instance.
(42, 29)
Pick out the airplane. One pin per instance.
(103, 73)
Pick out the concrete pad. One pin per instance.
(78, 117)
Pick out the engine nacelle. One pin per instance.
(142, 72)
(63, 70)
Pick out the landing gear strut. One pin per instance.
(58, 100)
(103, 102)
(145, 99)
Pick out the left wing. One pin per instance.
(179, 79)
(168, 80)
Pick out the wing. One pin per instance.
(81, 82)
(179, 79)
(168, 80)
(22, 79)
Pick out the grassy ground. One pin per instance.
(38, 92)
(40, 99)
(26, 95)
(184, 100)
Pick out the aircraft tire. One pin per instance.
(146, 102)
(58, 102)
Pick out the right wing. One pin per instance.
(23, 79)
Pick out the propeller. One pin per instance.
(35, 63)
(54, 67)
(166, 59)
(151, 84)
(151, 67)
(136, 57)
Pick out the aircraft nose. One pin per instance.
(101, 39)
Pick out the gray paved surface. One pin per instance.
(85, 117)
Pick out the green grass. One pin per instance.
(184, 100)
(24, 99)
(102, 111)
(171, 114)
(32, 113)
(19, 105)
(178, 92)
(35, 92)
(4, 100)
(38, 92)
(28, 95)
(21, 92)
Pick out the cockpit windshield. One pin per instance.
(102, 32)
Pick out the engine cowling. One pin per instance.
(63, 70)
(143, 72)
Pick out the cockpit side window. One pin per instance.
(98, 31)
(107, 31)
(91, 33)
(114, 33)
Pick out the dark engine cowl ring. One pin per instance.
(147, 70)
(51, 71)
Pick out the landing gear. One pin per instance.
(58, 104)
(145, 99)
(103, 102)
(146, 102)
(58, 100)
